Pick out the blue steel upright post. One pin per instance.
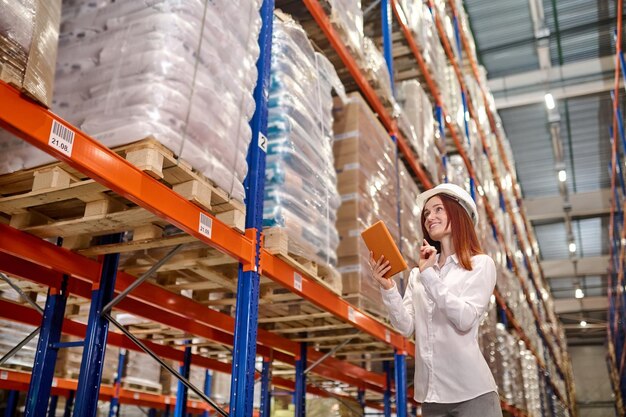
(52, 408)
(208, 384)
(12, 400)
(387, 394)
(246, 316)
(464, 96)
(300, 392)
(401, 385)
(266, 388)
(115, 400)
(96, 337)
(181, 393)
(46, 355)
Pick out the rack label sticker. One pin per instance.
(206, 225)
(61, 138)
(55, 382)
(194, 404)
(387, 336)
(136, 395)
(351, 314)
(4, 375)
(167, 400)
(297, 281)
(262, 142)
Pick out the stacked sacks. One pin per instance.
(300, 182)
(182, 72)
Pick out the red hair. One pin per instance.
(464, 236)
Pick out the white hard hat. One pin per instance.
(457, 193)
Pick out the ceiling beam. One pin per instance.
(564, 268)
(576, 305)
(552, 75)
(559, 93)
(587, 204)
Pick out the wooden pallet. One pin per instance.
(374, 309)
(141, 388)
(276, 242)
(56, 200)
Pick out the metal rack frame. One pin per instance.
(62, 271)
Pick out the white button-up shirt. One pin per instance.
(444, 308)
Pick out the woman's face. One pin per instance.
(436, 219)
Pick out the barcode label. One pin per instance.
(4, 375)
(136, 395)
(61, 138)
(351, 315)
(262, 142)
(297, 281)
(387, 336)
(206, 225)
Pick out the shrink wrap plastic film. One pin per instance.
(348, 17)
(410, 214)
(365, 159)
(181, 71)
(301, 183)
(29, 32)
(417, 122)
(142, 370)
(11, 334)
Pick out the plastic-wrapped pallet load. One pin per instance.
(348, 17)
(29, 31)
(530, 375)
(182, 72)
(332, 407)
(142, 372)
(410, 226)
(301, 184)
(418, 123)
(11, 334)
(365, 159)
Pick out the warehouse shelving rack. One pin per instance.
(616, 320)
(33, 259)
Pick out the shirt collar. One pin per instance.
(455, 258)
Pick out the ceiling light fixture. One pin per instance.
(583, 323)
(562, 175)
(579, 293)
(550, 104)
(572, 247)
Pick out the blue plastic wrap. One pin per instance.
(301, 184)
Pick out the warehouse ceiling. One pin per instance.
(565, 48)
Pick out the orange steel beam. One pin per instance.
(321, 296)
(320, 16)
(158, 304)
(453, 133)
(473, 114)
(452, 130)
(10, 379)
(508, 207)
(26, 315)
(33, 123)
(499, 141)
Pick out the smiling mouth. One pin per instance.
(433, 225)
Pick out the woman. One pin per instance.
(444, 302)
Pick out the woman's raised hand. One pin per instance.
(428, 256)
(379, 269)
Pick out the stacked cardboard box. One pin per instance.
(365, 159)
